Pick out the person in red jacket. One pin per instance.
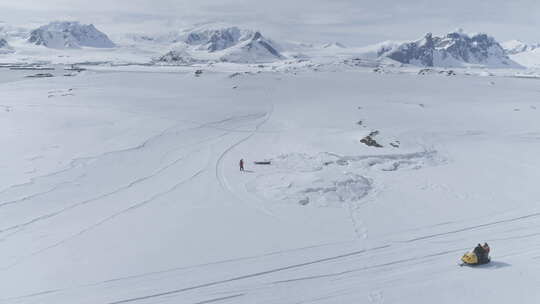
(486, 248)
(242, 165)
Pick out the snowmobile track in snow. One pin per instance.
(533, 215)
(238, 278)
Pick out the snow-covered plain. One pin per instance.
(123, 187)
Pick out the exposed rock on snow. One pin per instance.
(370, 140)
(333, 45)
(433, 71)
(179, 57)
(71, 35)
(453, 49)
(5, 47)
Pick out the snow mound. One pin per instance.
(313, 189)
(69, 35)
(456, 49)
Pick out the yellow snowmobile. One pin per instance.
(479, 256)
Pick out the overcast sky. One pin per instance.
(352, 22)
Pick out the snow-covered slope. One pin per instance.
(455, 49)
(514, 47)
(60, 35)
(523, 53)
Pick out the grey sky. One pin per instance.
(352, 22)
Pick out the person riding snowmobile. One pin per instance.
(481, 254)
(486, 248)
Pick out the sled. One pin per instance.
(470, 259)
(266, 162)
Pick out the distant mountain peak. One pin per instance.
(223, 42)
(69, 34)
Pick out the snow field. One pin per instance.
(127, 189)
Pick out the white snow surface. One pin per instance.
(121, 185)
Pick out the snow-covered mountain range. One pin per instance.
(70, 35)
(221, 42)
(455, 49)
